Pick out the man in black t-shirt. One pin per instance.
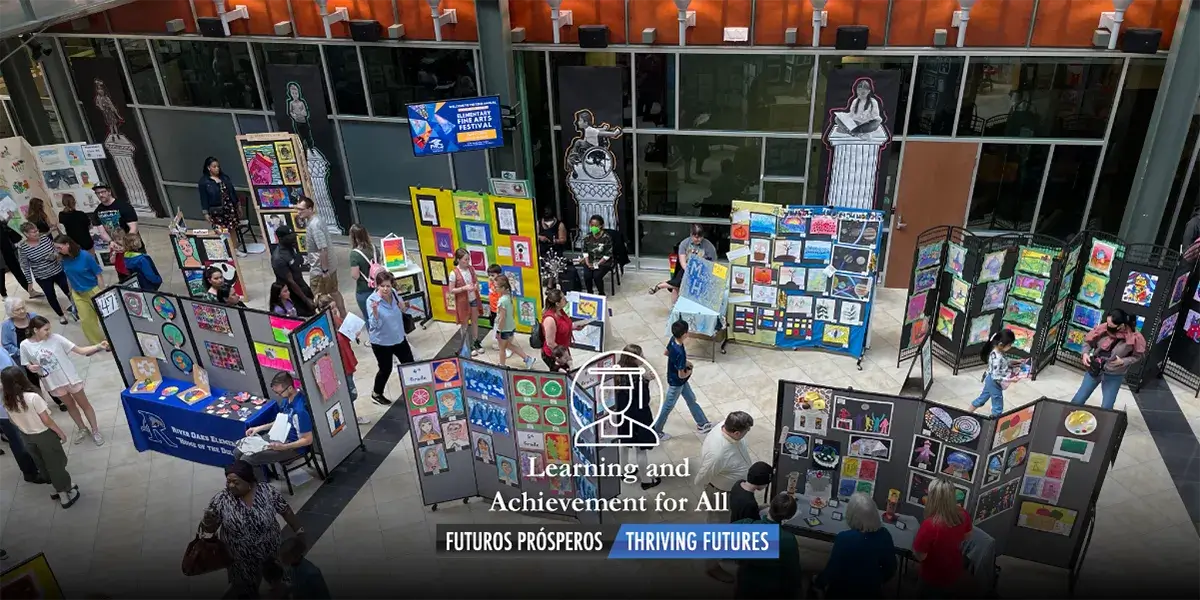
(285, 263)
(742, 502)
(113, 213)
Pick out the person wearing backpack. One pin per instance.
(364, 266)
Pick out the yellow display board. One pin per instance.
(31, 578)
(494, 230)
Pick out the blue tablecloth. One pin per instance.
(169, 426)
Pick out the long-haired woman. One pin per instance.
(42, 437)
(938, 543)
(467, 307)
(362, 258)
(77, 225)
(86, 279)
(38, 215)
(49, 355)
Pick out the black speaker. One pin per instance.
(362, 30)
(593, 36)
(852, 37)
(1140, 41)
(211, 26)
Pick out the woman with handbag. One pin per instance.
(244, 515)
(387, 331)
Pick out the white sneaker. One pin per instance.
(664, 436)
(362, 420)
(508, 354)
(96, 437)
(80, 435)
(69, 498)
(705, 428)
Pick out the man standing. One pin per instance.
(724, 463)
(113, 213)
(1108, 351)
(286, 263)
(323, 275)
(300, 432)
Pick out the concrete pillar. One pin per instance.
(58, 79)
(496, 62)
(1168, 130)
(28, 111)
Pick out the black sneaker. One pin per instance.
(380, 400)
(37, 480)
(72, 497)
(655, 483)
(62, 407)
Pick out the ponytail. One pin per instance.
(459, 254)
(1004, 337)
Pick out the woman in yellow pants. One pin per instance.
(86, 279)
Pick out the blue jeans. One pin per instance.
(991, 389)
(689, 396)
(1109, 384)
(361, 297)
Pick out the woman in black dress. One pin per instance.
(218, 200)
(78, 225)
(635, 449)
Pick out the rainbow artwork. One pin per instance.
(314, 338)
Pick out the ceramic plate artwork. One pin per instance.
(173, 334)
(555, 416)
(962, 430)
(825, 454)
(1080, 422)
(162, 305)
(181, 360)
(170, 390)
(1139, 288)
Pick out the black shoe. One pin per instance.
(71, 501)
(657, 481)
(3, 554)
(37, 479)
(477, 345)
(2, 453)
(380, 400)
(61, 405)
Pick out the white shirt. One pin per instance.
(52, 356)
(28, 420)
(723, 461)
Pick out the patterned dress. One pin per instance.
(250, 533)
(225, 216)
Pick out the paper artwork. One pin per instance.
(1044, 477)
(818, 483)
(427, 208)
(925, 280)
(993, 265)
(181, 360)
(865, 446)
(956, 258)
(135, 304)
(1023, 337)
(1100, 259)
(993, 467)
(1037, 262)
(195, 281)
(468, 208)
(945, 321)
(1013, 427)
(817, 283)
(929, 255)
(215, 249)
(326, 376)
(792, 221)
(851, 259)
(212, 318)
(959, 464)
(1086, 316)
(811, 409)
(980, 329)
(433, 460)
(850, 287)
(823, 225)
(851, 314)
(394, 256)
(490, 417)
(1178, 290)
(762, 224)
(918, 488)
(336, 419)
(961, 430)
(1078, 449)
(792, 278)
(994, 295)
(741, 279)
(960, 293)
(481, 448)
(443, 242)
(173, 335)
(764, 294)
(151, 345)
(1029, 287)
(800, 305)
(760, 251)
(916, 307)
(1091, 289)
(1139, 288)
(818, 251)
(997, 500)
(1191, 327)
(857, 232)
(223, 356)
(862, 416)
(272, 356)
(826, 309)
(794, 445)
(918, 332)
(1044, 517)
(281, 327)
(457, 436)
(1022, 312)
(186, 252)
(788, 251)
(1016, 458)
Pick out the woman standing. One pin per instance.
(863, 557)
(77, 225)
(41, 435)
(47, 354)
(244, 513)
(38, 215)
(218, 200)
(938, 543)
(385, 327)
(13, 331)
(556, 330)
(467, 308)
(552, 233)
(87, 279)
(40, 260)
(638, 409)
(363, 264)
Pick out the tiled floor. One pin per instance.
(126, 535)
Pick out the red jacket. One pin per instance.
(349, 361)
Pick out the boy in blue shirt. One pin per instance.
(679, 370)
(307, 582)
(300, 435)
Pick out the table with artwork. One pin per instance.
(202, 432)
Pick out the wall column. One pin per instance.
(1173, 110)
(31, 116)
(496, 62)
(59, 81)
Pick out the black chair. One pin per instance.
(620, 256)
(244, 226)
(308, 459)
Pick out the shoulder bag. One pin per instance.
(205, 554)
(410, 324)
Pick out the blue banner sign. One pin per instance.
(455, 125)
(696, 541)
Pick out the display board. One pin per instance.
(198, 249)
(65, 170)
(482, 430)
(494, 230)
(30, 578)
(277, 169)
(1029, 477)
(703, 298)
(1183, 355)
(323, 379)
(592, 308)
(20, 180)
(803, 276)
(917, 385)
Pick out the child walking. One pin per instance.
(679, 370)
(998, 369)
(505, 324)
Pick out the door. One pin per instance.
(935, 186)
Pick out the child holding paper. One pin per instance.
(999, 369)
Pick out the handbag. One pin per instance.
(410, 324)
(205, 554)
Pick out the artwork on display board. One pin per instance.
(223, 356)
(275, 168)
(857, 475)
(327, 380)
(925, 280)
(212, 318)
(996, 500)
(959, 464)
(1178, 290)
(151, 345)
(1013, 427)
(314, 338)
(1139, 288)
(1075, 448)
(956, 259)
(962, 429)
(929, 255)
(818, 483)
(1022, 312)
(925, 454)
(945, 321)
(1168, 327)
(1191, 327)
(865, 446)
(811, 407)
(1016, 457)
(1044, 477)
(960, 293)
(994, 295)
(336, 419)
(1047, 518)
(1074, 339)
(795, 445)
(173, 335)
(393, 253)
(135, 305)
(916, 307)
(1029, 287)
(980, 329)
(1091, 289)
(1101, 257)
(993, 468)
(862, 416)
(992, 266)
(1022, 338)
(1035, 261)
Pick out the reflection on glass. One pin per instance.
(655, 89)
(689, 175)
(1183, 205)
(1125, 144)
(1067, 187)
(1038, 97)
(400, 76)
(592, 59)
(904, 64)
(532, 68)
(382, 219)
(936, 96)
(780, 192)
(285, 54)
(89, 48)
(785, 157)
(660, 239)
(141, 70)
(738, 92)
(207, 74)
(1006, 186)
(346, 80)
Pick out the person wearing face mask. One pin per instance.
(597, 258)
(693, 245)
(1109, 349)
(552, 233)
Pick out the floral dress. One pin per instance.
(250, 533)
(226, 217)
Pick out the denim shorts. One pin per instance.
(506, 335)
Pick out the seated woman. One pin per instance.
(863, 557)
(693, 245)
(597, 258)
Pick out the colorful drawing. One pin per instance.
(959, 464)
(1191, 327)
(837, 336)
(1022, 312)
(314, 338)
(945, 321)
(1100, 259)
(852, 259)
(960, 430)
(1034, 261)
(395, 257)
(173, 334)
(135, 305)
(925, 280)
(993, 468)
(336, 419)
(1178, 290)
(918, 332)
(163, 307)
(195, 281)
(918, 488)
(1086, 316)
(916, 307)
(817, 282)
(215, 249)
(1077, 449)
(993, 265)
(850, 287)
(980, 330)
(272, 356)
(956, 258)
(212, 318)
(960, 293)
(997, 500)
(273, 197)
(862, 416)
(181, 360)
(792, 221)
(151, 345)
(762, 224)
(282, 326)
(1167, 328)
(1016, 458)
(1048, 518)
(787, 251)
(1013, 427)
(1024, 338)
(1139, 288)
(1029, 287)
(818, 251)
(929, 255)
(823, 225)
(1091, 289)
(223, 356)
(1074, 340)
(864, 446)
(994, 295)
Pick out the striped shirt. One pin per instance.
(40, 260)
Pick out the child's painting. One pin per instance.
(960, 293)
(1191, 326)
(980, 330)
(993, 467)
(788, 251)
(456, 436)
(1139, 288)
(1034, 261)
(1086, 316)
(1048, 518)
(818, 282)
(823, 225)
(994, 295)
(993, 264)
(760, 251)
(1101, 257)
(1091, 289)
(925, 280)
(1074, 341)
(792, 221)
(1168, 327)
(959, 464)
(920, 329)
(945, 321)
(929, 255)
(212, 318)
(1024, 338)
(815, 251)
(956, 259)
(792, 278)
(1022, 312)
(916, 307)
(507, 470)
(481, 447)
(1029, 287)
(851, 258)
(850, 287)
(996, 501)
(433, 460)
(468, 208)
(762, 224)
(1178, 290)
(186, 252)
